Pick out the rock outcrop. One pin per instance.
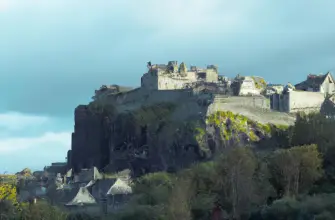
(90, 146)
(154, 137)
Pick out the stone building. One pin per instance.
(172, 77)
(274, 89)
(323, 83)
(245, 86)
(307, 96)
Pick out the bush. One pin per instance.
(306, 207)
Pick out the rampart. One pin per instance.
(140, 96)
(220, 102)
(295, 101)
(305, 101)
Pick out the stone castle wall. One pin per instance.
(220, 103)
(295, 101)
(163, 81)
(173, 81)
(305, 101)
(138, 97)
(211, 75)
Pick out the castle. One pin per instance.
(170, 82)
(194, 93)
(173, 77)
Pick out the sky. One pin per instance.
(55, 53)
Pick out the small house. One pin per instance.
(323, 83)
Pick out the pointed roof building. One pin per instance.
(119, 187)
(83, 197)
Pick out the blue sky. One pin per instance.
(54, 53)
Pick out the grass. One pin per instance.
(230, 124)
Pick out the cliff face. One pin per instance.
(89, 144)
(161, 136)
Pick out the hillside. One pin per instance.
(160, 136)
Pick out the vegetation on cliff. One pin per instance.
(294, 181)
(249, 184)
(147, 115)
(259, 82)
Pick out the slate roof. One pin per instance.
(120, 187)
(83, 197)
(312, 81)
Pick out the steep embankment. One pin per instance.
(246, 106)
(165, 135)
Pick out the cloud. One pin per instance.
(46, 142)
(188, 16)
(4, 5)
(31, 140)
(14, 121)
(62, 50)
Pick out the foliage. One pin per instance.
(153, 189)
(231, 125)
(179, 202)
(296, 169)
(259, 83)
(40, 210)
(8, 192)
(235, 171)
(102, 107)
(11, 179)
(295, 181)
(251, 184)
(153, 113)
(139, 212)
(307, 207)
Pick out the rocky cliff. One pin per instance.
(157, 136)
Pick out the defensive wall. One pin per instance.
(295, 101)
(161, 80)
(140, 96)
(221, 101)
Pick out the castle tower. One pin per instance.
(173, 66)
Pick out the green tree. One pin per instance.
(235, 173)
(179, 203)
(296, 169)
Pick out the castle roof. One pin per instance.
(119, 187)
(83, 197)
(312, 80)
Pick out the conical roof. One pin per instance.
(91, 183)
(96, 174)
(69, 173)
(83, 197)
(119, 187)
